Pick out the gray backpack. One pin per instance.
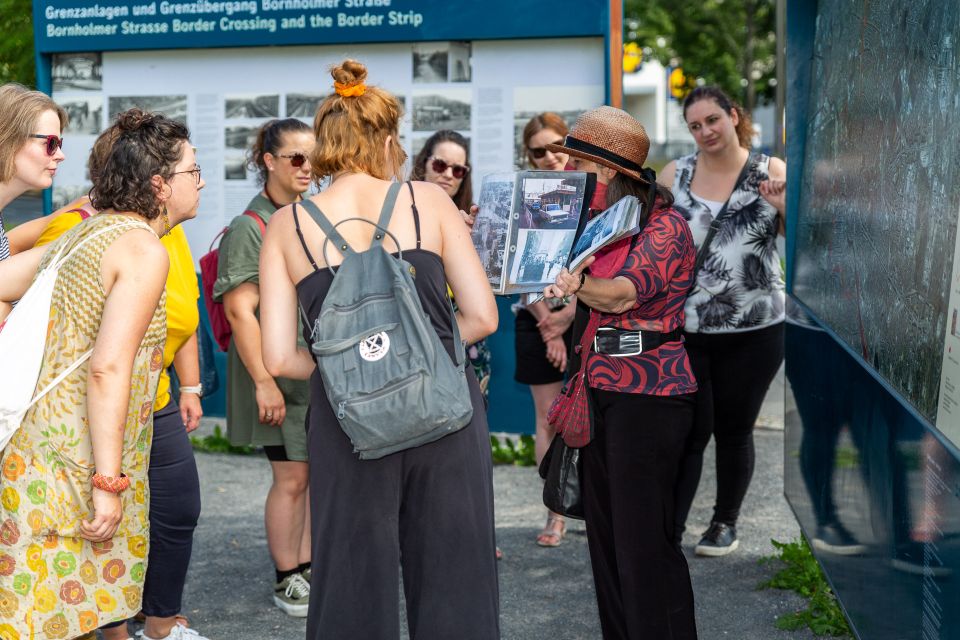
(387, 375)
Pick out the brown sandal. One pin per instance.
(551, 537)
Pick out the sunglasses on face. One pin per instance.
(539, 152)
(297, 160)
(194, 171)
(440, 166)
(53, 142)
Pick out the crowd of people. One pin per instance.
(677, 332)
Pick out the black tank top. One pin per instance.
(429, 278)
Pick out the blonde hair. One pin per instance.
(351, 129)
(20, 109)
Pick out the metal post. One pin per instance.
(779, 144)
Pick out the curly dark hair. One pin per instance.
(147, 145)
(463, 198)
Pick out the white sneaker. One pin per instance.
(178, 632)
(292, 595)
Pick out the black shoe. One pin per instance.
(719, 540)
(834, 538)
(911, 557)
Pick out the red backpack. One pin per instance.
(209, 264)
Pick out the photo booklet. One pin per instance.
(532, 224)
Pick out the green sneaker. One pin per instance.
(292, 595)
(306, 574)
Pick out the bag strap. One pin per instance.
(722, 215)
(386, 212)
(256, 216)
(60, 378)
(58, 261)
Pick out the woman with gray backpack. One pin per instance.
(400, 468)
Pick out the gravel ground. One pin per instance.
(228, 595)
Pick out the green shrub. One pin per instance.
(217, 443)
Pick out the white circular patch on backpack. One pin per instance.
(375, 347)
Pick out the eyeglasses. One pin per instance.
(297, 160)
(539, 152)
(53, 142)
(196, 171)
(440, 166)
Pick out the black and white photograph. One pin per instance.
(442, 109)
(239, 137)
(235, 167)
(493, 223)
(252, 106)
(539, 257)
(77, 72)
(619, 220)
(430, 62)
(174, 107)
(303, 105)
(86, 114)
(64, 195)
(552, 203)
(567, 102)
(458, 65)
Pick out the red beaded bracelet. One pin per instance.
(111, 484)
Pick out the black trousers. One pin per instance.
(427, 510)
(630, 471)
(174, 511)
(734, 371)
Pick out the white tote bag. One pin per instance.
(22, 340)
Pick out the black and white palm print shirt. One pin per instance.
(740, 286)
(4, 243)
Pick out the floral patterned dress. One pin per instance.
(53, 583)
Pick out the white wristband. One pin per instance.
(198, 389)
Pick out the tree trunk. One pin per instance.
(750, 91)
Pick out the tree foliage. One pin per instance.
(16, 46)
(730, 43)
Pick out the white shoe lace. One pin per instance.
(297, 588)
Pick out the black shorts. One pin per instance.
(276, 453)
(532, 364)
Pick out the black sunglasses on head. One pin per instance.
(297, 160)
(539, 152)
(53, 142)
(440, 166)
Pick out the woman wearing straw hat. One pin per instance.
(641, 387)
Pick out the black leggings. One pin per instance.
(733, 371)
(174, 511)
(629, 473)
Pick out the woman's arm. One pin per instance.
(186, 362)
(279, 308)
(134, 272)
(477, 317)
(17, 272)
(774, 190)
(666, 176)
(23, 236)
(608, 295)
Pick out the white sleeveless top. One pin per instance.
(740, 286)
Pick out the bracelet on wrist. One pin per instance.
(113, 484)
(197, 389)
(583, 278)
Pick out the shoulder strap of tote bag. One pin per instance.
(722, 215)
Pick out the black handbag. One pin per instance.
(562, 471)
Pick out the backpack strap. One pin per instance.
(328, 228)
(386, 212)
(416, 214)
(256, 216)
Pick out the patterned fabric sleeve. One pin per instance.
(659, 252)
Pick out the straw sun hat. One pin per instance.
(608, 136)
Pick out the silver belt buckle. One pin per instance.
(632, 339)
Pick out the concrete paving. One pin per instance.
(542, 591)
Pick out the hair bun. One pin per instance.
(134, 119)
(349, 72)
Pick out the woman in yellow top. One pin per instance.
(174, 484)
(74, 499)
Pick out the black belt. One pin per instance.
(611, 341)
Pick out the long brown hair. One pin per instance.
(652, 196)
(745, 130)
(351, 130)
(463, 198)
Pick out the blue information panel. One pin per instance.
(85, 25)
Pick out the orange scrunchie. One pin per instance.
(350, 90)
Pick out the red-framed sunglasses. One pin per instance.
(53, 142)
(439, 166)
(297, 160)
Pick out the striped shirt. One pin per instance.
(4, 243)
